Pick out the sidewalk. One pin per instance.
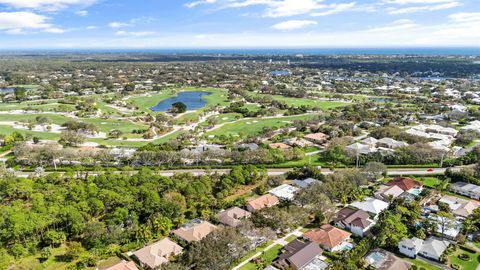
(281, 241)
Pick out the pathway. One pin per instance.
(281, 241)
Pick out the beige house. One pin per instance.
(194, 230)
(123, 265)
(267, 200)
(157, 253)
(232, 216)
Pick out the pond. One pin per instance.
(6, 90)
(193, 100)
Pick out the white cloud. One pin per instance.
(407, 2)
(54, 30)
(82, 13)
(465, 17)
(135, 34)
(46, 5)
(23, 20)
(395, 26)
(293, 25)
(91, 27)
(414, 9)
(15, 32)
(335, 8)
(201, 2)
(119, 25)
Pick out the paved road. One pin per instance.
(277, 172)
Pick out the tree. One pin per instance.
(178, 107)
(20, 93)
(115, 133)
(375, 170)
(390, 230)
(72, 138)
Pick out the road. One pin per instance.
(282, 171)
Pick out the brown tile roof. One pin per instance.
(279, 146)
(297, 254)
(267, 200)
(317, 136)
(195, 230)
(358, 218)
(123, 265)
(404, 183)
(157, 253)
(327, 236)
(232, 216)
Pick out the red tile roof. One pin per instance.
(404, 183)
(327, 236)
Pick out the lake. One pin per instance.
(6, 90)
(193, 100)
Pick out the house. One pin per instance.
(284, 192)
(370, 141)
(433, 248)
(356, 221)
(360, 149)
(232, 216)
(390, 143)
(406, 184)
(446, 227)
(385, 193)
(157, 253)
(371, 205)
(318, 138)
(297, 254)
(381, 259)
(466, 189)
(410, 246)
(248, 146)
(305, 182)
(267, 200)
(328, 237)
(123, 265)
(298, 142)
(460, 207)
(194, 230)
(281, 146)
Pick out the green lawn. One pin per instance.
(422, 264)
(322, 104)
(33, 262)
(291, 238)
(470, 264)
(431, 182)
(267, 258)
(250, 127)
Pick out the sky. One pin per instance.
(157, 24)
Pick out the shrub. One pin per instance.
(464, 257)
(455, 266)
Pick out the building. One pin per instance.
(284, 192)
(390, 143)
(194, 230)
(318, 138)
(406, 184)
(446, 227)
(232, 216)
(281, 146)
(305, 182)
(466, 189)
(297, 254)
(158, 253)
(328, 237)
(433, 248)
(410, 246)
(460, 207)
(356, 221)
(386, 193)
(383, 260)
(267, 200)
(123, 265)
(371, 205)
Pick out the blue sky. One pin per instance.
(97, 24)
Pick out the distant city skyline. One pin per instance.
(128, 24)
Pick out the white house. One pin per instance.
(284, 192)
(433, 248)
(371, 205)
(410, 246)
(466, 189)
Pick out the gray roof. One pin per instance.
(434, 246)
